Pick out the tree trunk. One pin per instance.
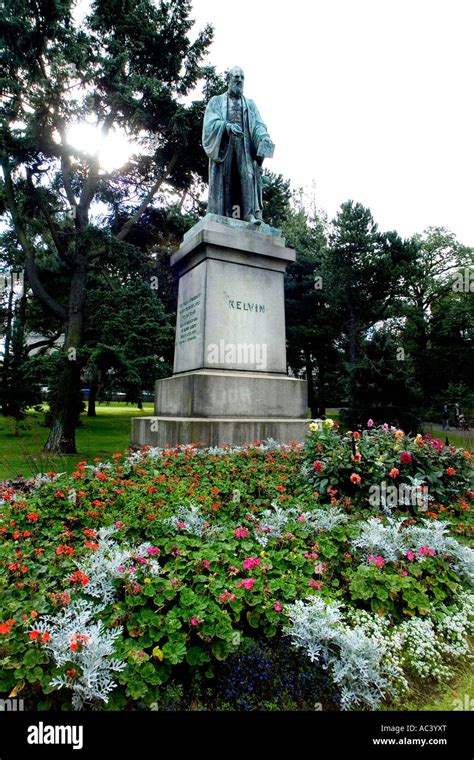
(6, 353)
(309, 379)
(62, 435)
(352, 333)
(93, 388)
(321, 386)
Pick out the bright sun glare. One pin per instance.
(113, 151)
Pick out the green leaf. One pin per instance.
(220, 649)
(253, 618)
(196, 656)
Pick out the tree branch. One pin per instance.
(91, 182)
(46, 342)
(30, 265)
(147, 200)
(47, 216)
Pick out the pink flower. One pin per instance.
(247, 583)
(316, 584)
(235, 569)
(120, 569)
(153, 550)
(404, 572)
(227, 596)
(319, 569)
(206, 563)
(193, 621)
(426, 550)
(251, 562)
(370, 423)
(277, 607)
(410, 555)
(355, 478)
(241, 532)
(181, 525)
(379, 561)
(301, 518)
(118, 524)
(385, 427)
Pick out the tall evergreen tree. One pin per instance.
(127, 66)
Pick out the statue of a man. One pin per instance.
(236, 141)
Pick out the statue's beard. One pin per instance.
(236, 90)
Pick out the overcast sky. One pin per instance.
(370, 99)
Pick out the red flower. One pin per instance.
(317, 466)
(64, 549)
(4, 628)
(405, 457)
(450, 471)
(78, 577)
(77, 641)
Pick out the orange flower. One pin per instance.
(450, 471)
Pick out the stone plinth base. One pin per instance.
(230, 394)
(214, 431)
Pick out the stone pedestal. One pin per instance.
(229, 383)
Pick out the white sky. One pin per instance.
(370, 99)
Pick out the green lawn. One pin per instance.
(99, 436)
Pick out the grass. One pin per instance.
(457, 693)
(99, 436)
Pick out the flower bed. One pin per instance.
(267, 577)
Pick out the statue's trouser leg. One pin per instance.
(227, 180)
(246, 181)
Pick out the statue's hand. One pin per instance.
(236, 130)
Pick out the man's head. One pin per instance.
(235, 81)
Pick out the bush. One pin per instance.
(166, 572)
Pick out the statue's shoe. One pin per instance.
(251, 219)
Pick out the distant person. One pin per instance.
(457, 414)
(445, 417)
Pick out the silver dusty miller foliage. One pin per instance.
(392, 540)
(89, 675)
(190, 520)
(91, 663)
(369, 656)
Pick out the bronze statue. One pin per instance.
(236, 141)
